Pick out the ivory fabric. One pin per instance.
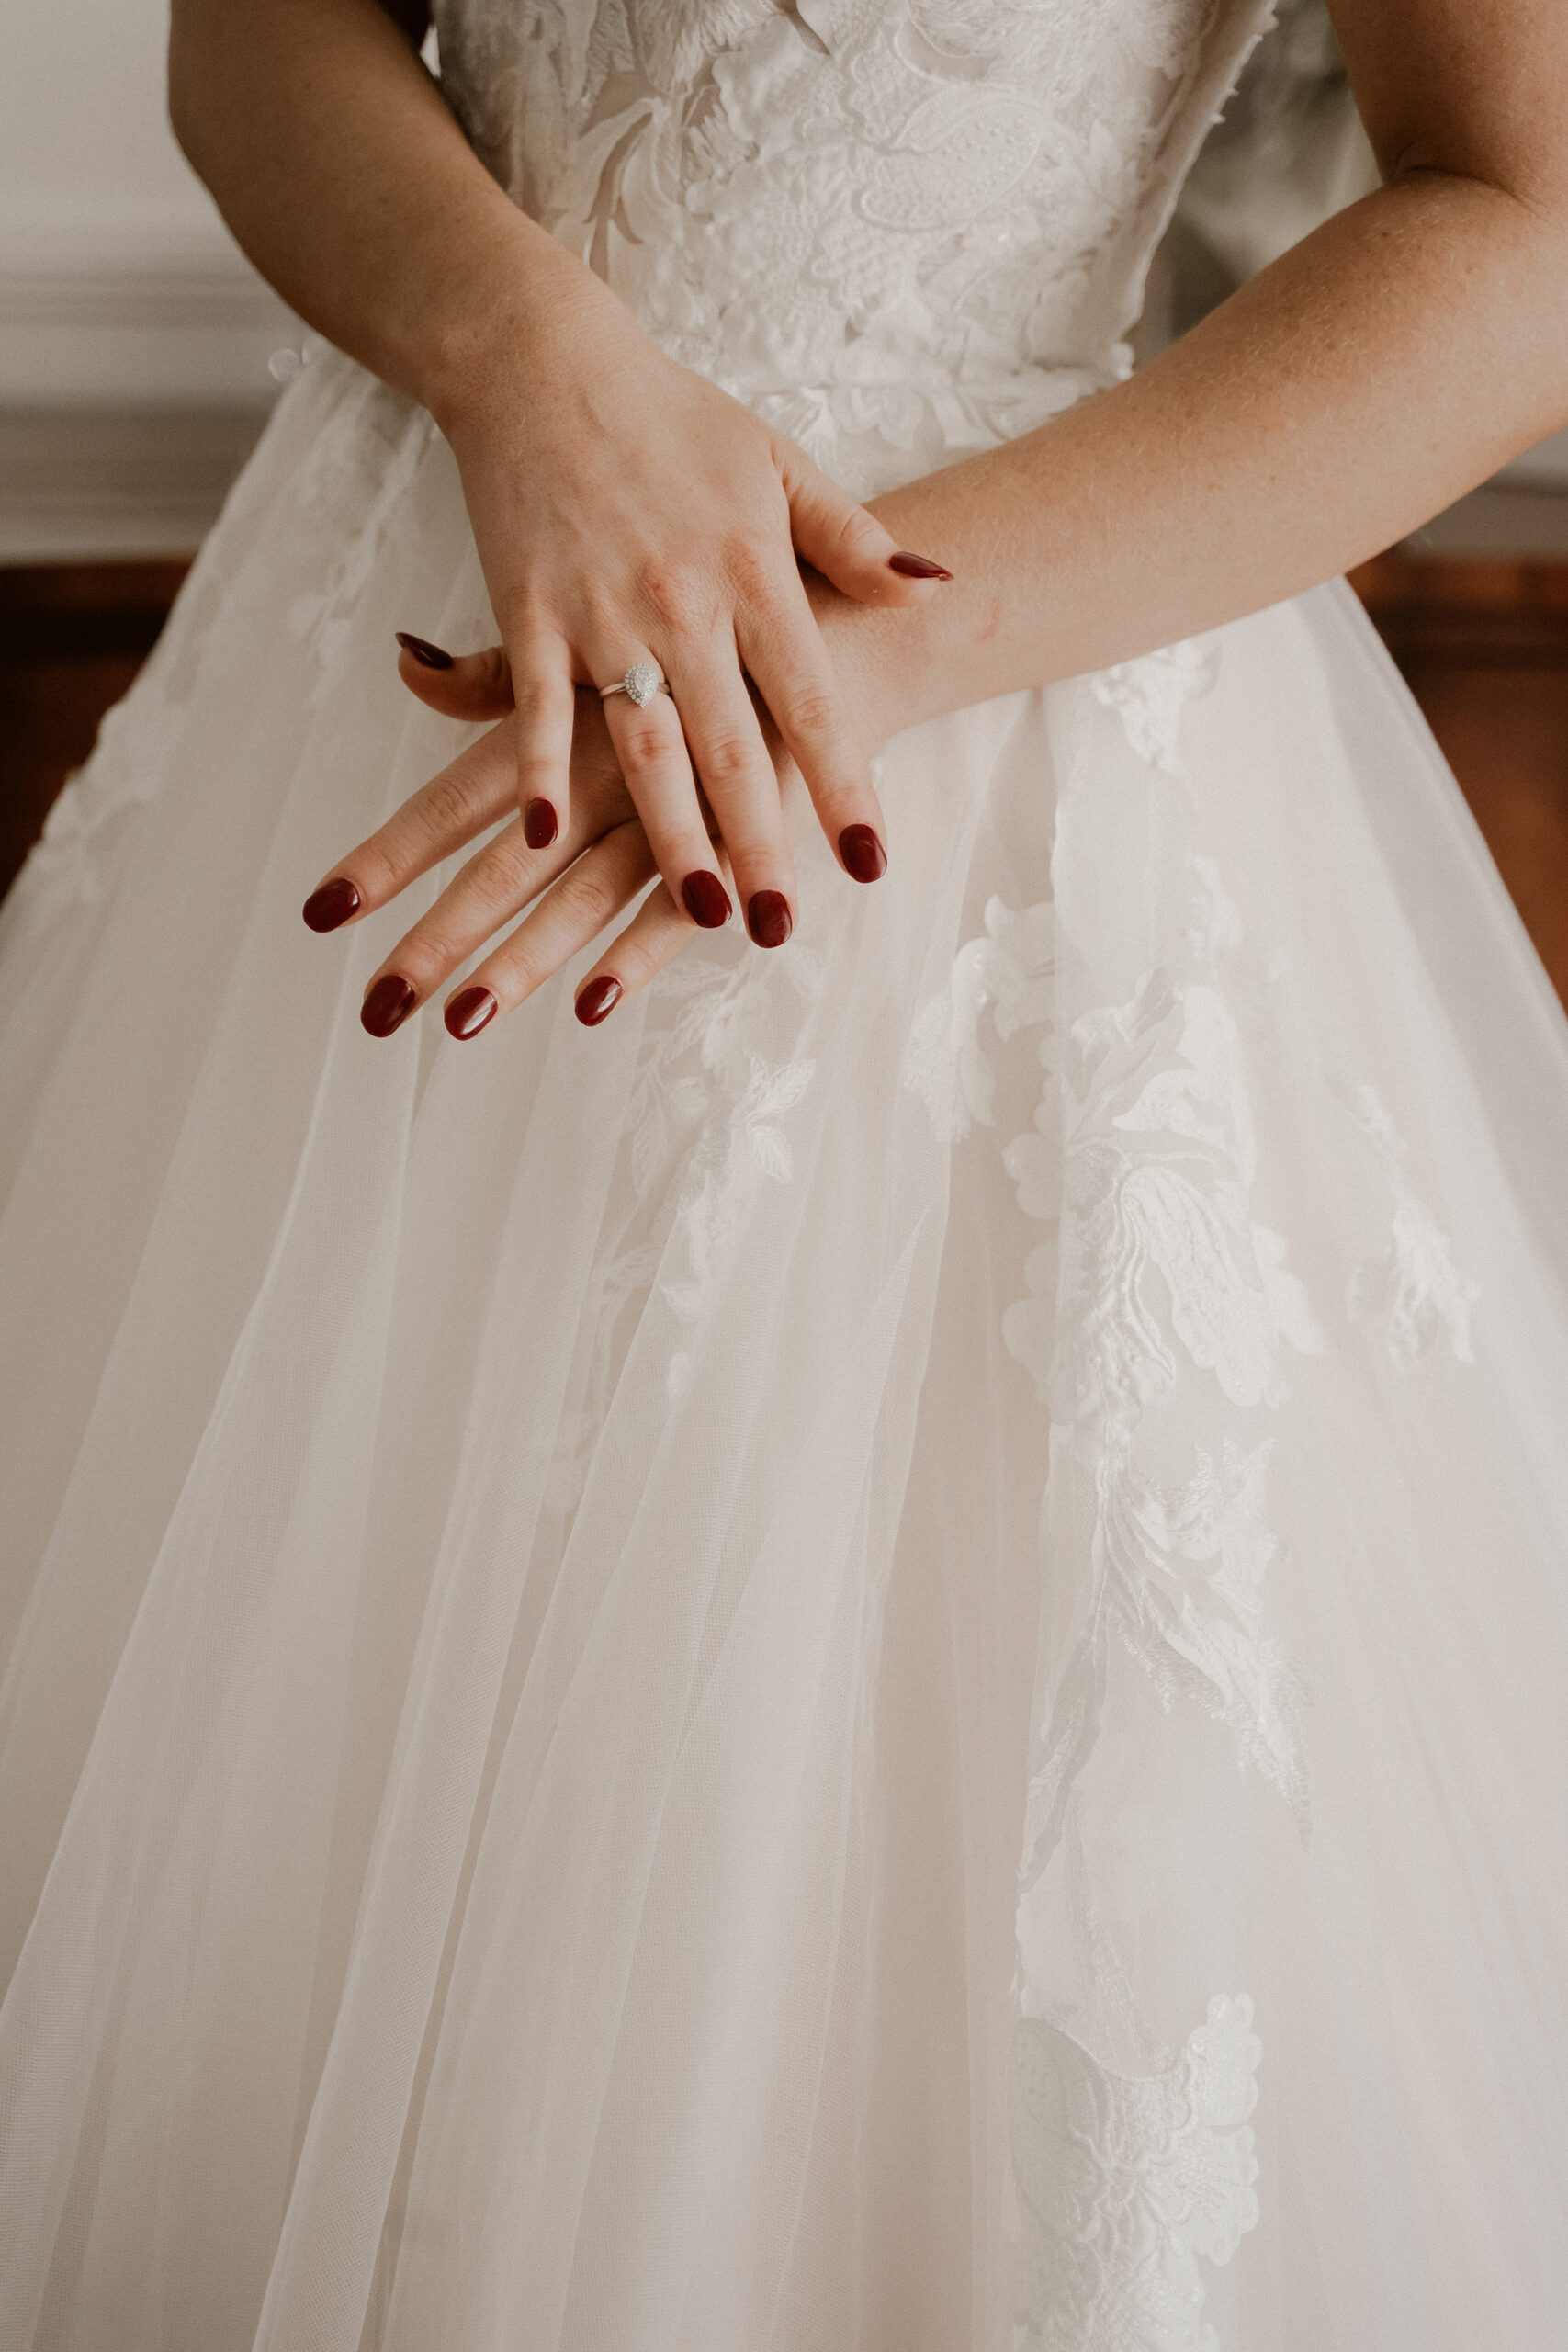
(873, 1660)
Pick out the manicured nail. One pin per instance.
(424, 651)
(707, 900)
(768, 918)
(331, 904)
(387, 1005)
(468, 1011)
(916, 567)
(600, 997)
(540, 824)
(862, 854)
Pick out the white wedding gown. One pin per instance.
(874, 1661)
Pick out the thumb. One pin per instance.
(847, 544)
(459, 685)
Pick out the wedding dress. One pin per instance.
(872, 1662)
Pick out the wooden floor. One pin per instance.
(1483, 643)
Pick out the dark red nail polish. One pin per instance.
(916, 567)
(387, 1005)
(768, 918)
(540, 824)
(707, 900)
(431, 656)
(600, 997)
(468, 1011)
(862, 854)
(331, 904)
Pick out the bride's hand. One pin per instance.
(575, 886)
(627, 511)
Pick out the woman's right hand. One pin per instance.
(626, 510)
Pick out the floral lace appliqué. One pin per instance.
(1152, 692)
(1008, 971)
(950, 208)
(1130, 2185)
(1412, 1279)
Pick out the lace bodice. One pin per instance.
(900, 229)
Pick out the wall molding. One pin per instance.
(157, 294)
(97, 484)
(113, 307)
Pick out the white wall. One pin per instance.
(119, 285)
(135, 339)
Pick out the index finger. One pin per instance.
(477, 788)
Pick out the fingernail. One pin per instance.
(424, 651)
(540, 824)
(707, 900)
(331, 904)
(468, 1011)
(387, 1005)
(916, 567)
(862, 854)
(600, 997)
(768, 918)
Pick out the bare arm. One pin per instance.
(335, 161)
(1387, 364)
(626, 511)
(1369, 376)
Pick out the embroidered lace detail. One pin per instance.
(65, 865)
(949, 203)
(1162, 1266)
(1131, 2186)
(1151, 694)
(1413, 1278)
(1009, 970)
(1156, 1310)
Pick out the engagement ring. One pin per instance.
(642, 681)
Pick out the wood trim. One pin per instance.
(1468, 612)
(63, 611)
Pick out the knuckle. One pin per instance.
(504, 871)
(726, 762)
(641, 956)
(855, 530)
(515, 972)
(424, 955)
(676, 595)
(447, 805)
(377, 874)
(588, 894)
(813, 711)
(752, 562)
(536, 699)
(647, 745)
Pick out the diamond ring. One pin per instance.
(642, 681)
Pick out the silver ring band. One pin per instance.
(642, 681)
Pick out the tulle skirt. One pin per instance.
(873, 1662)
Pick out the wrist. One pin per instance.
(509, 308)
(868, 649)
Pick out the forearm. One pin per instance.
(336, 163)
(1375, 373)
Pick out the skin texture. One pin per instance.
(1391, 361)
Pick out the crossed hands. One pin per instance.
(652, 520)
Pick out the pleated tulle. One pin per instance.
(873, 1659)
